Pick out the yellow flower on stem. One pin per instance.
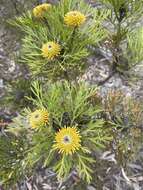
(39, 118)
(67, 140)
(39, 10)
(74, 18)
(50, 50)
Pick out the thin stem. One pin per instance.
(48, 26)
(71, 40)
(15, 6)
(107, 79)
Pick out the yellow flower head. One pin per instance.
(51, 50)
(39, 10)
(74, 18)
(38, 118)
(67, 140)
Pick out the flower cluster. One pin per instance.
(74, 18)
(68, 140)
(62, 130)
(38, 118)
(65, 131)
(40, 10)
(51, 50)
(57, 37)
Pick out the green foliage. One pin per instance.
(124, 25)
(75, 100)
(12, 154)
(68, 105)
(74, 41)
(135, 47)
(125, 13)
